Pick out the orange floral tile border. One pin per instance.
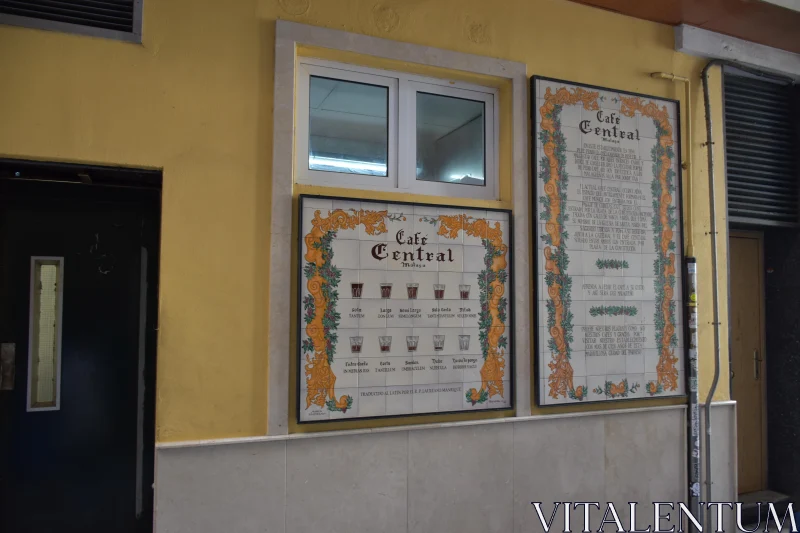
(611, 121)
(320, 317)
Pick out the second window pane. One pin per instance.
(450, 139)
(348, 127)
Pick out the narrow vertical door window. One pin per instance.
(44, 357)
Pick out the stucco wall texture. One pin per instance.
(195, 99)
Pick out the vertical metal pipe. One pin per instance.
(714, 282)
(689, 168)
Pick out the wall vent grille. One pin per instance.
(117, 19)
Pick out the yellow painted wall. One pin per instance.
(195, 99)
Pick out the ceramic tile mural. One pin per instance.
(404, 309)
(608, 258)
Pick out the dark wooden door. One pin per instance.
(747, 358)
(87, 464)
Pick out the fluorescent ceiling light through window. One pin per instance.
(365, 167)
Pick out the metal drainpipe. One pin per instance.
(714, 281)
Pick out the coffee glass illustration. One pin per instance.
(386, 290)
(438, 342)
(355, 289)
(412, 290)
(411, 343)
(355, 344)
(386, 343)
(464, 291)
(438, 291)
(463, 342)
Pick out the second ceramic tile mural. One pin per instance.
(608, 254)
(404, 309)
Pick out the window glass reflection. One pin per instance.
(348, 127)
(450, 139)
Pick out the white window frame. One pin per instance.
(402, 157)
(31, 330)
(290, 37)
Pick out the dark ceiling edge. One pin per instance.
(775, 10)
(79, 173)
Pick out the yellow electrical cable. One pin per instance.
(687, 153)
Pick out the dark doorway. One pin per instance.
(782, 264)
(79, 255)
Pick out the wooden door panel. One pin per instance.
(747, 358)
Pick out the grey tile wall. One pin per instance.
(347, 484)
(236, 487)
(464, 478)
(460, 479)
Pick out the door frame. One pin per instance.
(758, 236)
(133, 186)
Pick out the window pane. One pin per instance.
(450, 139)
(45, 347)
(348, 127)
